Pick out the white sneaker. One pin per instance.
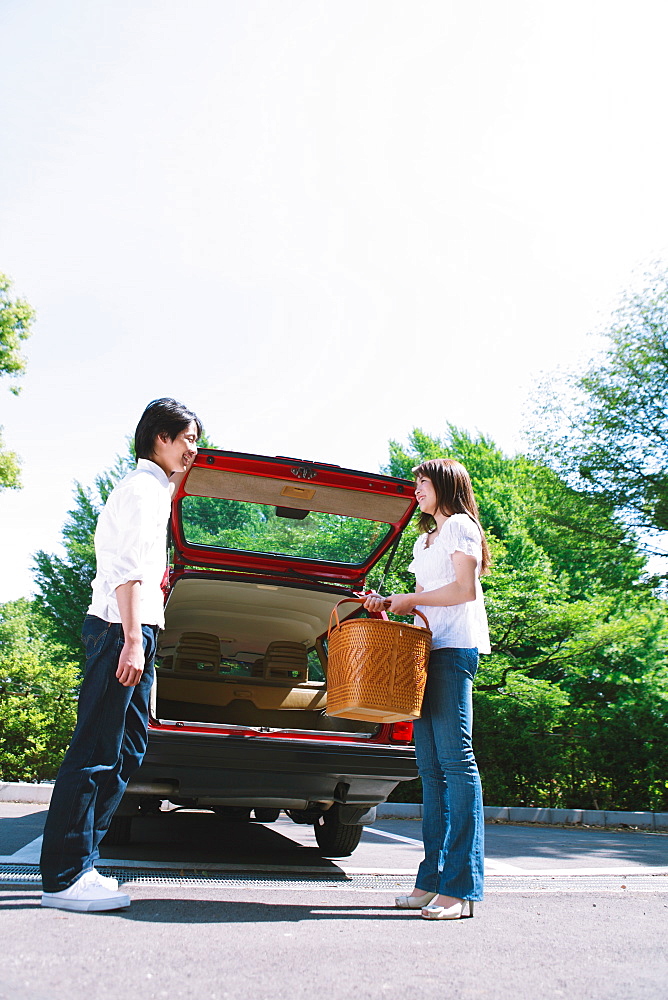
(88, 895)
(107, 881)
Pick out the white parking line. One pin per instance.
(392, 836)
(494, 867)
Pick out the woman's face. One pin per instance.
(425, 494)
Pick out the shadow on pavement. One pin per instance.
(187, 911)
(191, 911)
(16, 831)
(564, 846)
(20, 900)
(192, 837)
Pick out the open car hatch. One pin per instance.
(283, 516)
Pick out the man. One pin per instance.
(119, 634)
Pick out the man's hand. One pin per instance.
(131, 663)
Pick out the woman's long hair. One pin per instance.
(454, 495)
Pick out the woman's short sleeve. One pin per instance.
(465, 537)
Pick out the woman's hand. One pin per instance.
(402, 604)
(374, 602)
(399, 604)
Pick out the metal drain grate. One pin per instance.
(29, 875)
(19, 873)
(161, 876)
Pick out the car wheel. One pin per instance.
(266, 815)
(119, 832)
(306, 817)
(335, 839)
(232, 814)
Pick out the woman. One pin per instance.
(448, 559)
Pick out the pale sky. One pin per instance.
(320, 224)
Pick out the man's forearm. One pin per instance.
(128, 596)
(131, 660)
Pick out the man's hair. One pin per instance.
(162, 416)
(454, 495)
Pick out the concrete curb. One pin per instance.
(18, 791)
(547, 817)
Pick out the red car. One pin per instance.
(263, 550)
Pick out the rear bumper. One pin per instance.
(288, 774)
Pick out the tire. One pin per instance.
(266, 815)
(305, 817)
(119, 832)
(335, 839)
(232, 814)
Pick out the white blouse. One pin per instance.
(460, 626)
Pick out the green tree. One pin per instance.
(16, 318)
(578, 637)
(38, 688)
(258, 527)
(606, 428)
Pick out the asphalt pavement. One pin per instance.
(235, 910)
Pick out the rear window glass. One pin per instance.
(251, 527)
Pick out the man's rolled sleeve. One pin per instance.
(136, 512)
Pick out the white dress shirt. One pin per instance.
(131, 543)
(460, 626)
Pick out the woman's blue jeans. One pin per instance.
(107, 746)
(453, 825)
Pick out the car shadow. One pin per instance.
(201, 839)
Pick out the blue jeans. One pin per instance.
(453, 825)
(107, 746)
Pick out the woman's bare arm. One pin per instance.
(460, 591)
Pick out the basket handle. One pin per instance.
(361, 600)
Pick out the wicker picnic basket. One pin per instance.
(377, 669)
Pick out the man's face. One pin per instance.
(177, 455)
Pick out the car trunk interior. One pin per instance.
(240, 653)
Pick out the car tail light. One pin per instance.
(401, 732)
